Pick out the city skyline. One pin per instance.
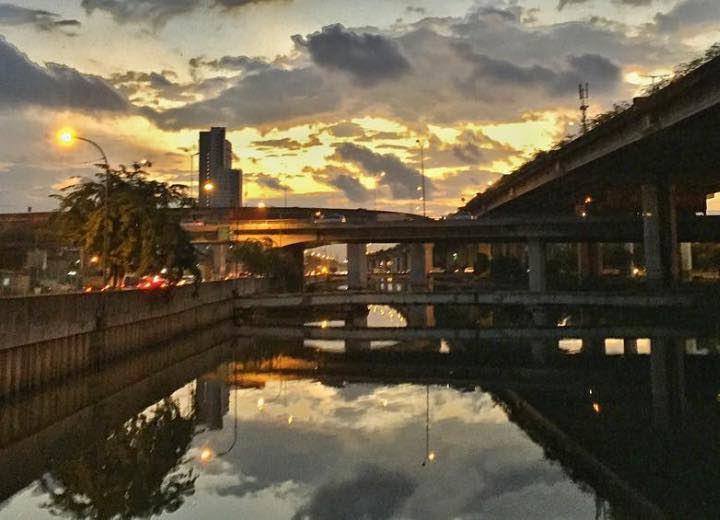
(323, 99)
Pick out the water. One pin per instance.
(279, 429)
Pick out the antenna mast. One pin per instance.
(583, 92)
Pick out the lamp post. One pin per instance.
(421, 144)
(67, 137)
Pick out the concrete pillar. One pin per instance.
(295, 278)
(420, 316)
(220, 261)
(590, 260)
(593, 347)
(629, 267)
(667, 375)
(421, 257)
(686, 260)
(630, 346)
(357, 266)
(537, 263)
(660, 234)
(357, 318)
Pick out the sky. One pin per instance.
(325, 98)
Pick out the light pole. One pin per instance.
(421, 144)
(67, 137)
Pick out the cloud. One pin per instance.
(235, 63)
(43, 20)
(285, 143)
(688, 15)
(23, 82)
(346, 129)
(271, 96)
(351, 187)
(374, 494)
(598, 70)
(368, 58)
(266, 181)
(634, 3)
(157, 13)
(402, 179)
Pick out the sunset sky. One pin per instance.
(327, 97)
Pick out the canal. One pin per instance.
(562, 414)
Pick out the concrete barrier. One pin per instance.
(44, 338)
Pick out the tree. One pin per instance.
(144, 235)
(135, 473)
(261, 258)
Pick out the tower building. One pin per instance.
(220, 184)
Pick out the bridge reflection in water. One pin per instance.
(500, 423)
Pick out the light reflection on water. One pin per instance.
(457, 429)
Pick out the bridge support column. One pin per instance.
(295, 279)
(667, 375)
(630, 346)
(537, 261)
(590, 260)
(660, 234)
(357, 266)
(220, 261)
(421, 259)
(686, 260)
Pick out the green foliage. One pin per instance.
(143, 234)
(261, 258)
(134, 473)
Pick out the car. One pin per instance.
(461, 216)
(130, 281)
(331, 218)
(150, 283)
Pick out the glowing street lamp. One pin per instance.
(67, 137)
(209, 186)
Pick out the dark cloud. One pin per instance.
(374, 494)
(235, 63)
(688, 15)
(402, 179)
(23, 82)
(43, 20)
(271, 96)
(368, 58)
(593, 68)
(634, 3)
(285, 142)
(158, 12)
(351, 187)
(266, 181)
(346, 129)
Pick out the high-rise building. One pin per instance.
(220, 184)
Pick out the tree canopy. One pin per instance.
(144, 235)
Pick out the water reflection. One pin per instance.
(270, 428)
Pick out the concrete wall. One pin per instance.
(44, 338)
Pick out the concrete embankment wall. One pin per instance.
(44, 338)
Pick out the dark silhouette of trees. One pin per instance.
(144, 234)
(261, 258)
(135, 473)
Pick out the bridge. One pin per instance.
(657, 159)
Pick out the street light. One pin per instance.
(67, 137)
(421, 144)
(209, 186)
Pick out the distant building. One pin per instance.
(220, 184)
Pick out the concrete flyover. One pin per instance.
(657, 159)
(520, 298)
